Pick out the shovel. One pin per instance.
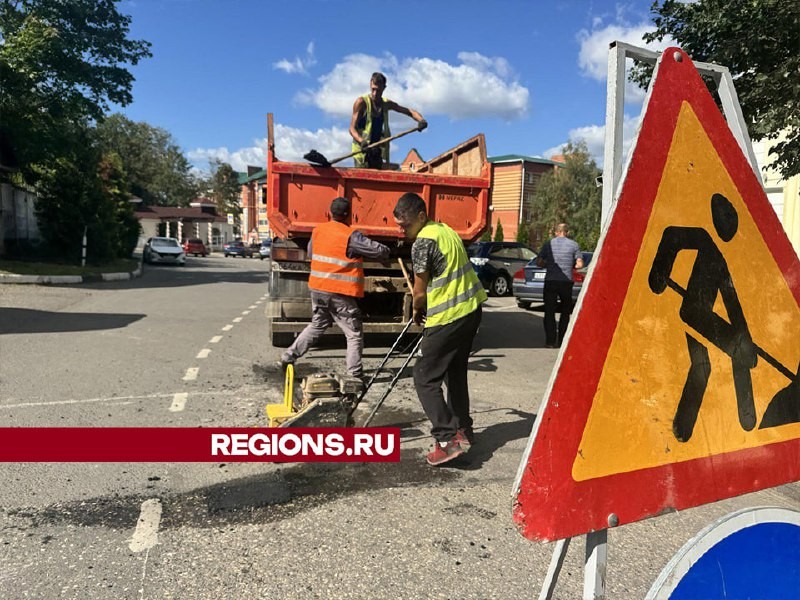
(318, 159)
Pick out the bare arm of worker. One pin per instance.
(358, 110)
(419, 299)
(360, 246)
(409, 112)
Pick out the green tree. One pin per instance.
(225, 188)
(486, 236)
(61, 63)
(156, 168)
(523, 236)
(759, 42)
(498, 232)
(569, 195)
(85, 191)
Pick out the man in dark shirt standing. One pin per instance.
(336, 280)
(559, 255)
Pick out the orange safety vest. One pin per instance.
(331, 269)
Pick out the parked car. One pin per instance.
(163, 250)
(266, 249)
(529, 282)
(195, 246)
(496, 262)
(237, 248)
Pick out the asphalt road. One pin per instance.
(189, 347)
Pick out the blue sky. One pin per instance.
(528, 75)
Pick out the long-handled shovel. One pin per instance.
(317, 158)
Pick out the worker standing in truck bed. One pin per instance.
(336, 280)
(370, 123)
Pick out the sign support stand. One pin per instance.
(597, 541)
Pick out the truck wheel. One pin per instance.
(282, 339)
(501, 286)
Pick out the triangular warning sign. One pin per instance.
(679, 383)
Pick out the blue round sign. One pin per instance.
(753, 553)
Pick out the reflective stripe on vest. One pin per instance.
(367, 131)
(331, 269)
(457, 292)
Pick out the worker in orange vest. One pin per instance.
(336, 280)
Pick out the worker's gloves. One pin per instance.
(422, 125)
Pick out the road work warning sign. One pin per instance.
(679, 384)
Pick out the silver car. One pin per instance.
(265, 250)
(163, 250)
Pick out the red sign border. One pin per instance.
(549, 504)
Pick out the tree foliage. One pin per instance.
(498, 232)
(523, 235)
(156, 168)
(569, 195)
(60, 62)
(225, 188)
(759, 42)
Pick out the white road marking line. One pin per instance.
(179, 402)
(251, 307)
(113, 399)
(259, 302)
(146, 534)
(203, 353)
(237, 320)
(191, 373)
(215, 339)
(245, 312)
(227, 328)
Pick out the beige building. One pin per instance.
(783, 195)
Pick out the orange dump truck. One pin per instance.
(454, 185)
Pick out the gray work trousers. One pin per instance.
(327, 309)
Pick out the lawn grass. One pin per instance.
(22, 267)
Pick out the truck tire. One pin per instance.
(282, 339)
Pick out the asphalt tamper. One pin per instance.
(328, 399)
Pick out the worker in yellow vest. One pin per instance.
(447, 298)
(336, 280)
(370, 123)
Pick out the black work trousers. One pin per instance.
(444, 356)
(555, 291)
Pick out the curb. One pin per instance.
(57, 279)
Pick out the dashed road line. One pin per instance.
(203, 353)
(179, 402)
(251, 307)
(227, 328)
(191, 373)
(146, 534)
(237, 320)
(245, 312)
(215, 339)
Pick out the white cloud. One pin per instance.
(291, 145)
(594, 136)
(593, 55)
(479, 86)
(298, 65)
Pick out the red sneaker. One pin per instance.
(464, 439)
(442, 454)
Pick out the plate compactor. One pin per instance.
(329, 400)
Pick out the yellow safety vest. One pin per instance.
(367, 131)
(457, 292)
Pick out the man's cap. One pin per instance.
(340, 207)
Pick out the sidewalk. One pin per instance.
(14, 278)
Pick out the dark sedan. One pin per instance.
(496, 262)
(529, 282)
(238, 248)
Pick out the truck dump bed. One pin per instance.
(455, 187)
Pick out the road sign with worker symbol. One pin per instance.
(678, 384)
